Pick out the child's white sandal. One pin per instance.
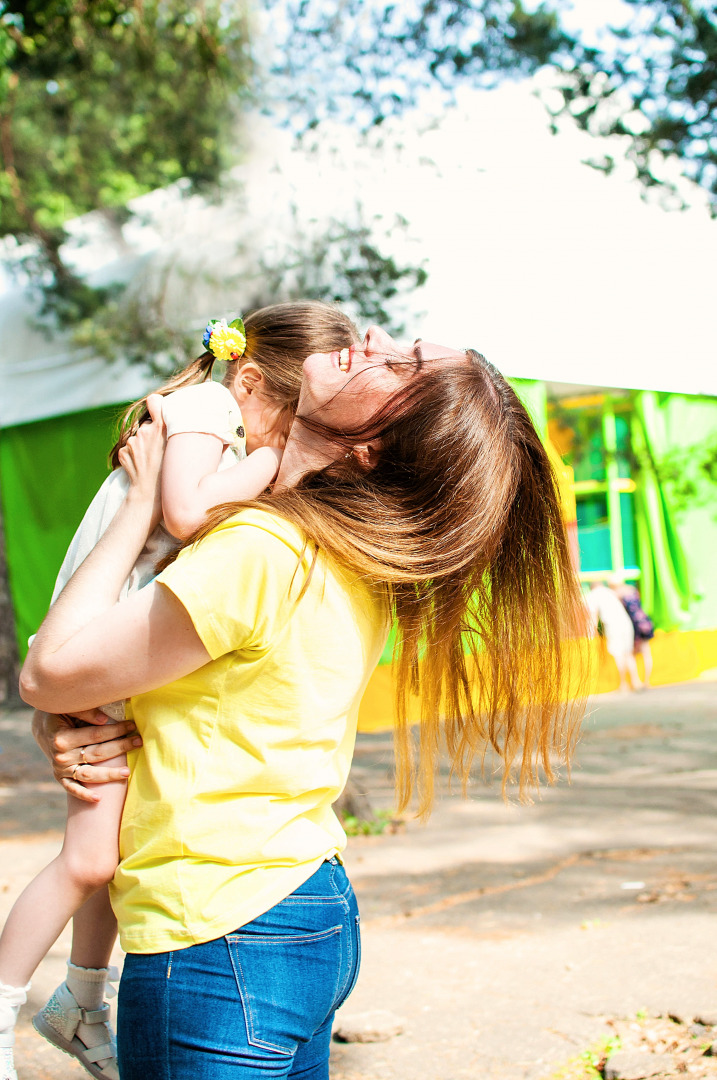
(58, 1022)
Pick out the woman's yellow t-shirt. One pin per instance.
(229, 803)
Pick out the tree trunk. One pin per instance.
(353, 802)
(9, 658)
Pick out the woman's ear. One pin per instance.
(248, 379)
(366, 455)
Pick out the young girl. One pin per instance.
(223, 445)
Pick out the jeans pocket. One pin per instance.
(356, 957)
(287, 982)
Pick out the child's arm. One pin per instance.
(191, 484)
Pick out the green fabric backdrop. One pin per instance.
(664, 582)
(677, 543)
(49, 472)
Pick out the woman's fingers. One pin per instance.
(101, 743)
(89, 716)
(154, 408)
(81, 780)
(75, 752)
(141, 457)
(79, 792)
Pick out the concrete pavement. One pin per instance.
(504, 937)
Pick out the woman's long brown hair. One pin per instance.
(278, 340)
(460, 523)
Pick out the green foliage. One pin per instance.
(331, 260)
(378, 824)
(132, 323)
(657, 88)
(590, 1063)
(365, 60)
(339, 261)
(653, 83)
(689, 475)
(104, 100)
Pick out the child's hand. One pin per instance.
(141, 458)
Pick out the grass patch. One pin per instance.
(589, 1064)
(380, 822)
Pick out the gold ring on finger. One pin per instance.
(73, 772)
(83, 759)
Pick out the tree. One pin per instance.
(653, 83)
(105, 100)
(339, 261)
(102, 101)
(657, 90)
(253, 261)
(363, 61)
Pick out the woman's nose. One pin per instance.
(377, 340)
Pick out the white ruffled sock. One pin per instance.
(11, 998)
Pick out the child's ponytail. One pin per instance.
(197, 372)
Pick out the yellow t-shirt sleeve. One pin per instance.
(238, 584)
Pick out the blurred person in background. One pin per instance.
(608, 612)
(642, 623)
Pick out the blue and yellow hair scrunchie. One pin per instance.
(226, 341)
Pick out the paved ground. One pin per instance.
(504, 937)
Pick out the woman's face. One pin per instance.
(346, 388)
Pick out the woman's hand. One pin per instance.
(74, 752)
(141, 458)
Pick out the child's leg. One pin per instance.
(87, 862)
(91, 840)
(646, 651)
(94, 929)
(621, 662)
(631, 665)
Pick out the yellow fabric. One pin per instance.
(229, 803)
(566, 483)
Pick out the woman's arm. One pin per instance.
(122, 649)
(91, 649)
(191, 484)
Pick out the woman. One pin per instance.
(413, 484)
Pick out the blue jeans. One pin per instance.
(257, 1003)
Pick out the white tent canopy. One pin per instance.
(170, 245)
(45, 376)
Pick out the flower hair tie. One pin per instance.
(225, 341)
